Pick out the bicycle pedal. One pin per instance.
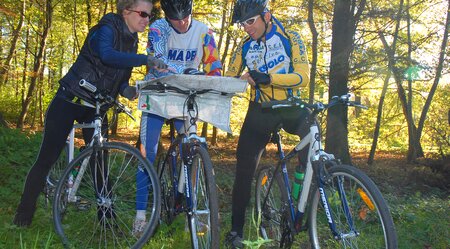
(83, 205)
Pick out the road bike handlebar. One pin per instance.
(163, 87)
(315, 107)
(105, 98)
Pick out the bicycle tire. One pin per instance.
(369, 211)
(165, 173)
(55, 174)
(272, 214)
(204, 218)
(103, 211)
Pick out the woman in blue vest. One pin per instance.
(106, 59)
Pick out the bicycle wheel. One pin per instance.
(55, 174)
(372, 222)
(204, 216)
(58, 167)
(271, 207)
(165, 173)
(99, 211)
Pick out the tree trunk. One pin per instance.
(376, 132)
(223, 26)
(414, 148)
(439, 68)
(214, 136)
(76, 43)
(25, 67)
(114, 118)
(37, 63)
(312, 27)
(344, 27)
(402, 97)
(3, 122)
(205, 130)
(89, 14)
(4, 68)
(225, 50)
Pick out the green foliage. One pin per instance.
(427, 216)
(253, 231)
(437, 128)
(18, 148)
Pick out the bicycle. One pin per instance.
(185, 171)
(339, 205)
(94, 199)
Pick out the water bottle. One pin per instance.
(298, 180)
(72, 177)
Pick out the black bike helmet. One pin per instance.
(245, 9)
(176, 9)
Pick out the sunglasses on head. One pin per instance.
(249, 21)
(142, 14)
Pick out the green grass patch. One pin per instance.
(421, 217)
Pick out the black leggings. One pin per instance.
(255, 134)
(59, 120)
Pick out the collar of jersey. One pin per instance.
(176, 31)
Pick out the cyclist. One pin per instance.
(106, 60)
(184, 44)
(277, 67)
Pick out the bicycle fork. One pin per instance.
(323, 178)
(72, 190)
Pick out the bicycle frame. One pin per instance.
(97, 139)
(316, 157)
(185, 140)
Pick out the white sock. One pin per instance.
(140, 214)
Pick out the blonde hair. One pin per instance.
(122, 5)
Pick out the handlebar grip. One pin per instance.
(359, 105)
(274, 104)
(88, 86)
(157, 87)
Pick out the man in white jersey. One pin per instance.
(183, 44)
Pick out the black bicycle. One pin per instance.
(338, 204)
(187, 176)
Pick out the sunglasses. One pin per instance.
(249, 22)
(142, 14)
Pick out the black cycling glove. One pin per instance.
(260, 78)
(193, 71)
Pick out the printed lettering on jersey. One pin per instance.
(272, 63)
(179, 55)
(275, 60)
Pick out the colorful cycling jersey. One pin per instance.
(180, 51)
(283, 56)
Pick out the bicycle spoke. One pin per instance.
(204, 219)
(270, 207)
(360, 214)
(104, 210)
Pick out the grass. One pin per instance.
(419, 205)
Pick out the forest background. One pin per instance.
(392, 55)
